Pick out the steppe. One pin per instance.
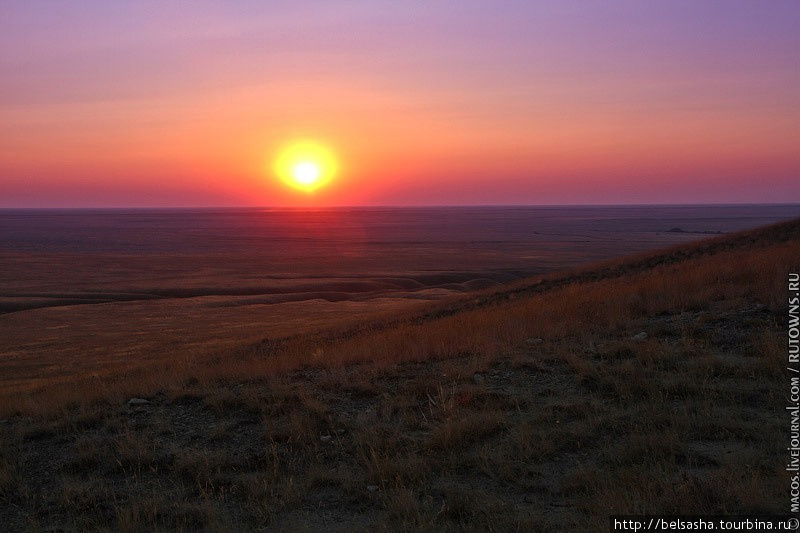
(479, 370)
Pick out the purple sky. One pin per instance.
(185, 103)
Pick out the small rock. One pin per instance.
(640, 336)
(478, 379)
(137, 401)
(372, 488)
(325, 438)
(534, 341)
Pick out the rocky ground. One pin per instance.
(537, 440)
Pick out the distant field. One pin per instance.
(651, 384)
(90, 291)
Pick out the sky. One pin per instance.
(188, 103)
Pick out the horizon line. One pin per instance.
(389, 206)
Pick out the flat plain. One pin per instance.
(87, 291)
(399, 369)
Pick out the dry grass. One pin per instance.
(387, 426)
(564, 307)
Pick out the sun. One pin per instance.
(306, 172)
(306, 165)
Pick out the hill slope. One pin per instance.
(650, 384)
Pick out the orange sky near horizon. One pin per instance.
(419, 108)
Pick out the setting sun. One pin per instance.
(306, 165)
(306, 172)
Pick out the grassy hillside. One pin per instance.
(648, 384)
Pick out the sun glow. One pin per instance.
(306, 165)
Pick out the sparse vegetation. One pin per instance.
(538, 406)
